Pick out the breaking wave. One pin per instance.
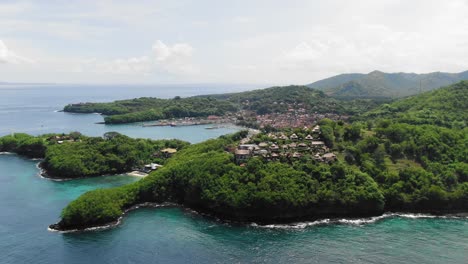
(115, 223)
(354, 221)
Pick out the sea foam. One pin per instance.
(354, 221)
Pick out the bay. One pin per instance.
(34, 109)
(29, 203)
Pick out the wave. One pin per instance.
(300, 225)
(43, 172)
(6, 153)
(355, 221)
(115, 223)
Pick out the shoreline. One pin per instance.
(299, 223)
(114, 223)
(43, 174)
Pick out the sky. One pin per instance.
(255, 41)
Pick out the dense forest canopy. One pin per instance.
(447, 106)
(146, 109)
(74, 155)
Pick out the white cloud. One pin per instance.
(304, 52)
(131, 66)
(11, 9)
(241, 20)
(175, 58)
(240, 41)
(8, 56)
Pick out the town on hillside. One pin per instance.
(296, 115)
(284, 146)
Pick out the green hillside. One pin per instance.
(147, 109)
(380, 84)
(393, 159)
(279, 98)
(261, 101)
(447, 106)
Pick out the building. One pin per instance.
(302, 146)
(242, 155)
(329, 157)
(274, 148)
(251, 147)
(168, 152)
(318, 144)
(316, 129)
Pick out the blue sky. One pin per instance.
(259, 42)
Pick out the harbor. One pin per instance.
(215, 121)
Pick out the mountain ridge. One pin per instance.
(381, 84)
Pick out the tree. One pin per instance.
(110, 135)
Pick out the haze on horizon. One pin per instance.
(259, 42)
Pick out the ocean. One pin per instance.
(29, 203)
(34, 109)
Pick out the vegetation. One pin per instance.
(443, 107)
(271, 100)
(279, 99)
(146, 109)
(204, 176)
(379, 84)
(75, 155)
(384, 164)
(24, 144)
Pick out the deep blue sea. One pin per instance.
(29, 203)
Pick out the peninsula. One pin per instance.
(406, 156)
(291, 106)
(68, 156)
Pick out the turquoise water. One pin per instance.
(29, 203)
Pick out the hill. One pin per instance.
(447, 106)
(66, 156)
(381, 84)
(409, 156)
(261, 101)
(148, 108)
(277, 100)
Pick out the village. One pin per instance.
(285, 146)
(290, 115)
(295, 119)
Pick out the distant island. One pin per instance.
(23, 83)
(405, 156)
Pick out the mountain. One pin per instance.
(447, 106)
(278, 99)
(381, 84)
(336, 80)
